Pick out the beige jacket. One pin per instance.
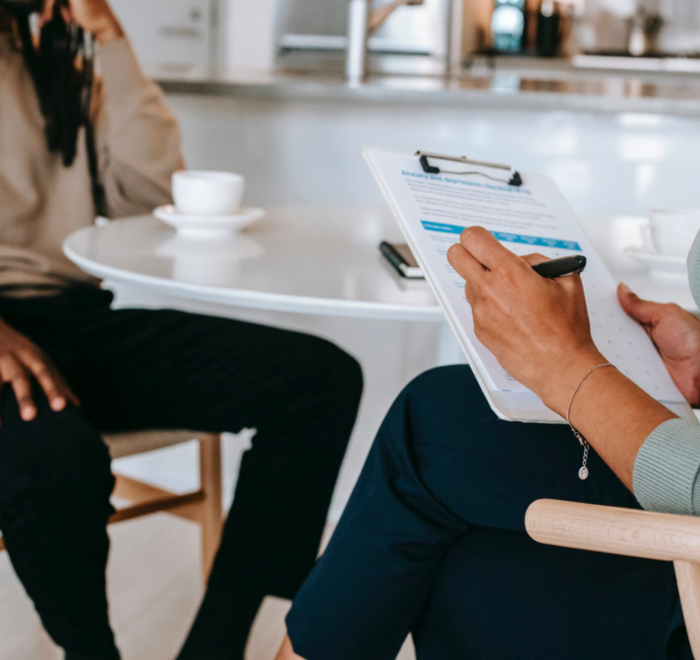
(42, 202)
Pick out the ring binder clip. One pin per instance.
(514, 178)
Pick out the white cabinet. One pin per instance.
(171, 32)
(248, 32)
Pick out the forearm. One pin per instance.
(610, 411)
(138, 138)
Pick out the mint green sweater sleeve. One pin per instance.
(667, 470)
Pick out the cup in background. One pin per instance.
(199, 192)
(671, 232)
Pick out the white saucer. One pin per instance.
(208, 226)
(659, 263)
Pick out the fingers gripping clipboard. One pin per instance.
(434, 198)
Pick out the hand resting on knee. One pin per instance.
(21, 361)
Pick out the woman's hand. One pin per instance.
(676, 334)
(20, 363)
(539, 331)
(537, 328)
(94, 16)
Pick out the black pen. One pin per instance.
(561, 267)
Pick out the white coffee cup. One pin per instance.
(199, 192)
(671, 232)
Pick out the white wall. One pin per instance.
(310, 151)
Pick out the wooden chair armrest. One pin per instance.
(616, 531)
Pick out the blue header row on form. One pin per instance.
(537, 241)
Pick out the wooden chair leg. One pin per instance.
(212, 510)
(688, 578)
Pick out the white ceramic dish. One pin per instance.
(199, 192)
(208, 226)
(671, 231)
(659, 263)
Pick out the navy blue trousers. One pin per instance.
(433, 543)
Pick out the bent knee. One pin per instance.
(348, 371)
(446, 384)
(59, 459)
(332, 369)
(441, 404)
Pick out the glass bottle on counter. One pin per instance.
(508, 25)
(548, 29)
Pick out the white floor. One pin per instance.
(155, 586)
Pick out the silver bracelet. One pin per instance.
(583, 472)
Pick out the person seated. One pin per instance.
(433, 539)
(73, 368)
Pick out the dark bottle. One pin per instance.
(548, 29)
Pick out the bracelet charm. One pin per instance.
(583, 471)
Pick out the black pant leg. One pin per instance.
(287, 480)
(143, 369)
(442, 466)
(55, 484)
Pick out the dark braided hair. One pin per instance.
(61, 65)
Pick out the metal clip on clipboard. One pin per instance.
(514, 178)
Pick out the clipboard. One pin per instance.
(396, 172)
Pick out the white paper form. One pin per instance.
(435, 209)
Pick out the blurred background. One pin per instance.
(572, 89)
(277, 34)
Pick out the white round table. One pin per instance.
(312, 259)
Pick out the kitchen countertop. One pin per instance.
(516, 84)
